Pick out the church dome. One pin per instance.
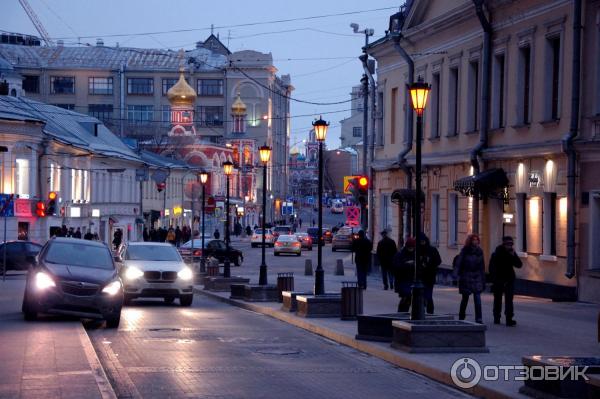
(238, 107)
(182, 93)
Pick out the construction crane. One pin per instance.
(36, 22)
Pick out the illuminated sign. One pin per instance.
(75, 212)
(95, 213)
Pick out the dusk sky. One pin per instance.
(320, 54)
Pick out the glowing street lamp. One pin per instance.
(320, 127)
(228, 170)
(265, 155)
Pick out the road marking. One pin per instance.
(106, 390)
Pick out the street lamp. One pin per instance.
(265, 155)
(320, 127)
(228, 170)
(203, 180)
(419, 91)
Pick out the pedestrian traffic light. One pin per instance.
(40, 209)
(51, 203)
(161, 186)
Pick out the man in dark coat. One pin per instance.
(77, 233)
(362, 248)
(430, 260)
(502, 275)
(403, 265)
(386, 249)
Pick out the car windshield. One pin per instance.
(259, 231)
(287, 238)
(152, 253)
(282, 229)
(79, 254)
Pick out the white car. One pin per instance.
(337, 207)
(256, 240)
(154, 270)
(287, 244)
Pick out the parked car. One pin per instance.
(76, 278)
(185, 249)
(215, 248)
(20, 255)
(155, 270)
(305, 240)
(256, 240)
(287, 244)
(343, 239)
(337, 208)
(279, 230)
(327, 234)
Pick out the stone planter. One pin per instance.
(260, 293)
(327, 305)
(289, 300)
(378, 327)
(570, 387)
(435, 336)
(238, 291)
(223, 284)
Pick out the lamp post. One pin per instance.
(265, 155)
(203, 180)
(419, 91)
(228, 169)
(320, 127)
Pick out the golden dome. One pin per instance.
(181, 93)
(238, 107)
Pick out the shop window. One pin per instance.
(453, 219)
(561, 227)
(435, 219)
(534, 225)
(22, 174)
(521, 207)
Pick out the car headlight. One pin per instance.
(112, 288)
(132, 273)
(43, 281)
(185, 274)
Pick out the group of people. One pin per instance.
(398, 272)
(75, 233)
(175, 236)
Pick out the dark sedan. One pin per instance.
(214, 248)
(76, 278)
(20, 255)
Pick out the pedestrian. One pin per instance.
(216, 234)
(145, 234)
(171, 238)
(88, 236)
(248, 230)
(177, 236)
(77, 233)
(300, 222)
(430, 260)
(153, 234)
(469, 268)
(71, 232)
(362, 248)
(63, 231)
(403, 264)
(502, 275)
(117, 238)
(386, 249)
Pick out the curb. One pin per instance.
(104, 386)
(363, 346)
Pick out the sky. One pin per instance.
(320, 54)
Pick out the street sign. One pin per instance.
(348, 184)
(353, 216)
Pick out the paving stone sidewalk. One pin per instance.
(544, 328)
(48, 358)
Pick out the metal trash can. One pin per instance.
(212, 270)
(285, 282)
(352, 300)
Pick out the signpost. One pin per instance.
(353, 216)
(348, 184)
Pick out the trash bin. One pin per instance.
(285, 282)
(352, 300)
(212, 270)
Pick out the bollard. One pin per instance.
(339, 267)
(308, 271)
(285, 282)
(352, 300)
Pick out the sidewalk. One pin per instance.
(49, 358)
(544, 328)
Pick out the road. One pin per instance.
(214, 350)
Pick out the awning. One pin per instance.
(491, 183)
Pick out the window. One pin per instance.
(380, 108)
(357, 131)
(553, 47)
(210, 87)
(524, 88)
(62, 84)
(386, 218)
(70, 107)
(498, 92)
(435, 219)
(167, 84)
(534, 225)
(140, 86)
(100, 85)
(549, 224)
(101, 111)
(453, 219)
(54, 184)
(140, 113)
(210, 116)
(393, 116)
(22, 177)
(453, 102)
(435, 106)
(31, 83)
(166, 114)
(473, 100)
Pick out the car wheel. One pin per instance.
(127, 299)
(169, 299)
(113, 322)
(299, 254)
(186, 300)
(28, 314)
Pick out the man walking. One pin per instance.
(430, 260)
(386, 249)
(362, 248)
(404, 267)
(502, 274)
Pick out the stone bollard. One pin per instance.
(308, 270)
(339, 267)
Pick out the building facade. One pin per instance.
(496, 149)
(352, 126)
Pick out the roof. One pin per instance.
(103, 57)
(161, 161)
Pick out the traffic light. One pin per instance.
(363, 189)
(161, 186)
(40, 209)
(51, 203)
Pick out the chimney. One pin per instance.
(99, 42)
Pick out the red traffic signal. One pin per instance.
(161, 186)
(40, 209)
(363, 182)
